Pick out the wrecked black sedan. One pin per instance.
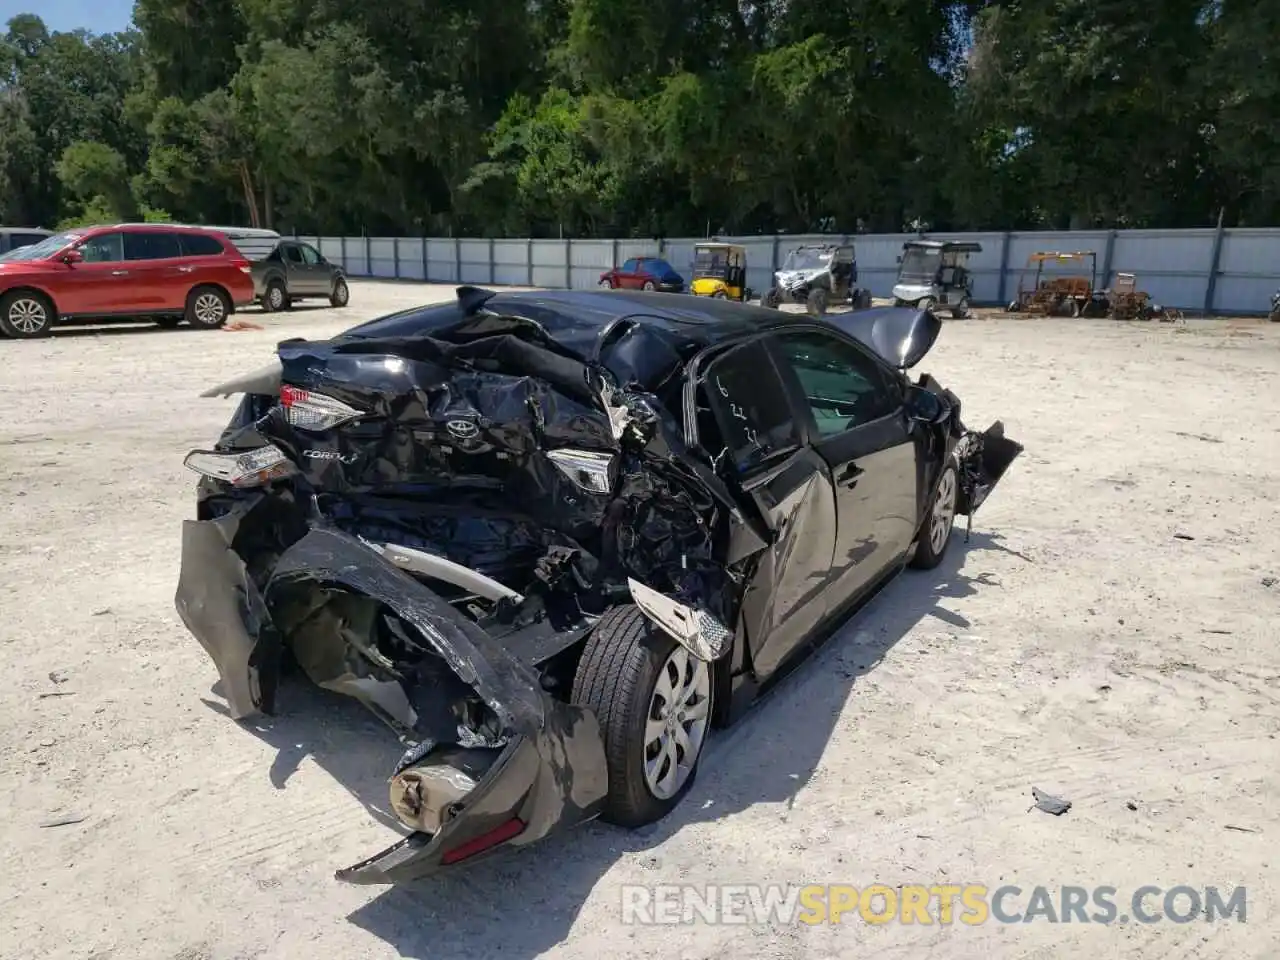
(552, 539)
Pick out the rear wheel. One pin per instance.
(341, 294)
(649, 285)
(1073, 308)
(653, 700)
(961, 309)
(25, 315)
(928, 303)
(771, 298)
(606, 284)
(207, 308)
(275, 298)
(935, 533)
(862, 301)
(719, 295)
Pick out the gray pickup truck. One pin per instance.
(297, 271)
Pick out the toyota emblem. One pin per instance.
(462, 429)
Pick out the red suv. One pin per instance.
(163, 272)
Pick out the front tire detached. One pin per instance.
(25, 315)
(207, 308)
(630, 670)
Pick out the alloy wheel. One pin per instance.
(28, 316)
(209, 309)
(676, 727)
(944, 512)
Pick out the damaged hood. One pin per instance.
(901, 336)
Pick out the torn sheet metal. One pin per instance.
(696, 630)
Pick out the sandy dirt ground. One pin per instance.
(1109, 635)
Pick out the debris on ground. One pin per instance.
(236, 325)
(1232, 826)
(65, 821)
(1048, 803)
(1131, 805)
(1183, 536)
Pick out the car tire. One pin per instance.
(649, 285)
(816, 302)
(862, 301)
(606, 284)
(935, 532)
(961, 309)
(26, 315)
(275, 297)
(771, 299)
(207, 308)
(340, 296)
(719, 295)
(927, 303)
(627, 665)
(1073, 309)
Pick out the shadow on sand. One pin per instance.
(470, 913)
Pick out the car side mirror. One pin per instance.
(924, 406)
(72, 257)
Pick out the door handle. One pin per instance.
(119, 273)
(185, 269)
(849, 476)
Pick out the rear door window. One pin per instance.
(292, 254)
(750, 407)
(151, 245)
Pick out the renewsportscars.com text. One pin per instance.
(927, 905)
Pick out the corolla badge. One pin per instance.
(462, 429)
(330, 455)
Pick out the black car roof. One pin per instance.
(576, 318)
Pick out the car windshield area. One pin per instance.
(711, 263)
(920, 263)
(807, 259)
(45, 248)
(659, 268)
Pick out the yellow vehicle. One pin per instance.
(720, 271)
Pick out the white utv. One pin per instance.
(818, 275)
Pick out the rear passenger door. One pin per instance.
(860, 429)
(156, 269)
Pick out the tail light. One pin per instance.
(252, 468)
(315, 411)
(243, 265)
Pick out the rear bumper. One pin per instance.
(551, 772)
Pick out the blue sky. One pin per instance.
(100, 16)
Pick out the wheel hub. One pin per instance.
(679, 712)
(27, 316)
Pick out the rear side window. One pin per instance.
(750, 405)
(151, 245)
(200, 245)
(24, 239)
(631, 266)
(292, 254)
